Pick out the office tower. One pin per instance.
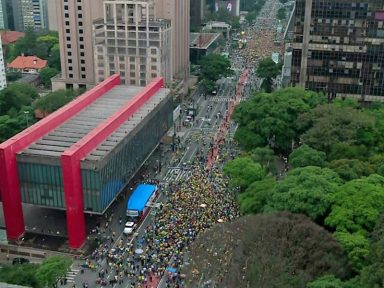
(130, 42)
(197, 12)
(52, 15)
(3, 15)
(178, 12)
(75, 20)
(3, 79)
(28, 13)
(338, 47)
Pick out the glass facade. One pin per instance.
(42, 184)
(345, 48)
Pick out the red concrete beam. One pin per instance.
(9, 180)
(70, 160)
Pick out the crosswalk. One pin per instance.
(71, 275)
(176, 174)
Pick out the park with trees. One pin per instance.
(333, 183)
(45, 274)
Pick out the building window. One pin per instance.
(81, 38)
(70, 75)
(69, 53)
(83, 69)
(70, 68)
(133, 82)
(80, 15)
(69, 46)
(70, 61)
(66, 6)
(80, 23)
(82, 61)
(66, 15)
(81, 46)
(68, 38)
(82, 54)
(67, 30)
(83, 76)
(79, 8)
(81, 31)
(66, 22)
(153, 51)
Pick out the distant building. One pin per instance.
(10, 37)
(216, 26)
(3, 79)
(203, 44)
(3, 15)
(338, 47)
(75, 21)
(177, 11)
(127, 42)
(197, 8)
(52, 15)
(27, 64)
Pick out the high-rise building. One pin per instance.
(52, 15)
(178, 12)
(3, 15)
(130, 42)
(197, 12)
(27, 13)
(75, 19)
(338, 47)
(3, 79)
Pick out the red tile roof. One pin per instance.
(27, 62)
(9, 37)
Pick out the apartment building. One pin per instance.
(178, 12)
(337, 47)
(3, 15)
(75, 19)
(3, 79)
(129, 41)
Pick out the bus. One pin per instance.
(140, 200)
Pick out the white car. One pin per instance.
(129, 227)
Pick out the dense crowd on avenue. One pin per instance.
(191, 207)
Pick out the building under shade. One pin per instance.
(80, 157)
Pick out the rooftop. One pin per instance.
(27, 62)
(9, 37)
(202, 40)
(53, 144)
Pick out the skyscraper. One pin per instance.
(338, 47)
(130, 42)
(3, 79)
(75, 19)
(3, 15)
(178, 12)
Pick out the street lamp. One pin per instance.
(26, 113)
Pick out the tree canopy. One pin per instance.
(268, 70)
(269, 119)
(243, 171)
(265, 250)
(306, 190)
(212, 68)
(307, 156)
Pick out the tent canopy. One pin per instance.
(140, 197)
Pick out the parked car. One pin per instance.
(20, 261)
(129, 227)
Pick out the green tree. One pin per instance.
(20, 275)
(349, 169)
(328, 281)
(266, 157)
(46, 74)
(52, 269)
(265, 250)
(54, 57)
(235, 22)
(213, 67)
(15, 96)
(327, 126)
(255, 197)
(356, 207)
(268, 70)
(54, 100)
(306, 156)
(243, 171)
(281, 13)
(306, 190)
(269, 119)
